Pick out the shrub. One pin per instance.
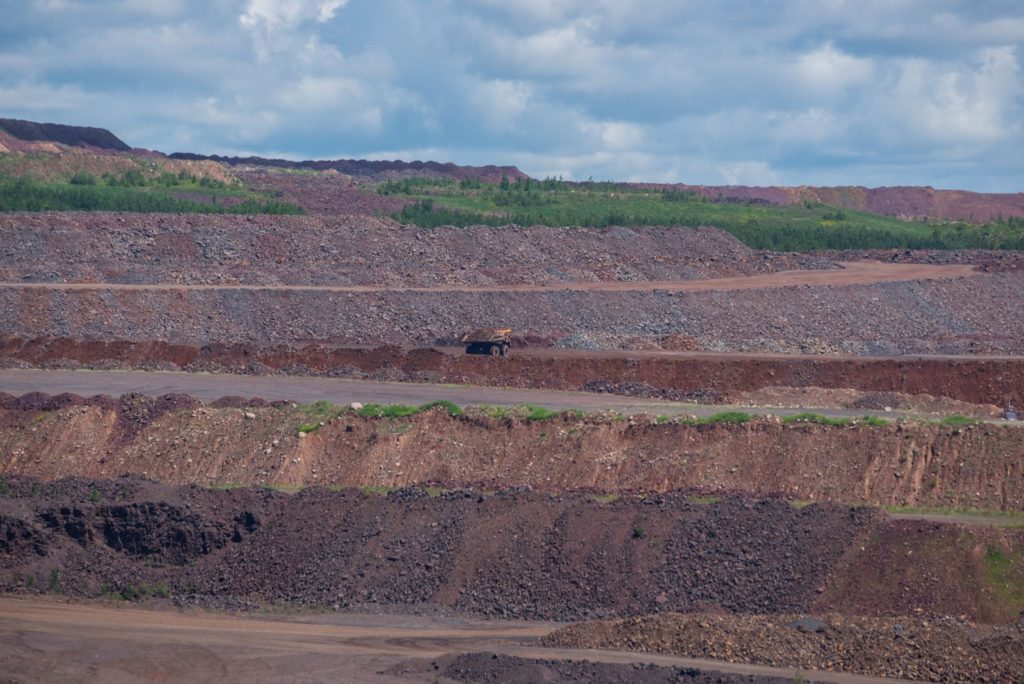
(82, 178)
(539, 413)
(957, 420)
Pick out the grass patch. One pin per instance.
(134, 192)
(728, 417)
(816, 418)
(286, 488)
(800, 227)
(228, 486)
(499, 412)
(604, 498)
(405, 410)
(539, 413)
(874, 421)
(306, 428)
(703, 500)
(55, 586)
(991, 516)
(1004, 576)
(142, 590)
(957, 420)
(322, 409)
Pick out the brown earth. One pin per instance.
(945, 650)
(177, 440)
(957, 316)
(345, 250)
(511, 554)
(328, 193)
(514, 554)
(491, 667)
(52, 639)
(916, 384)
(535, 280)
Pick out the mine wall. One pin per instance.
(178, 440)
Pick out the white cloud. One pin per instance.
(748, 173)
(277, 14)
(831, 71)
(500, 103)
(806, 90)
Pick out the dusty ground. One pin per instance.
(915, 384)
(55, 641)
(946, 650)
(177, 440)
(491, 667)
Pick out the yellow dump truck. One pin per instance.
(488, 341)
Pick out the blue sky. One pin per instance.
(797, 92)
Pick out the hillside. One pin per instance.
(75, 136)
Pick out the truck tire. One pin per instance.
(504, 349)
(495, 350)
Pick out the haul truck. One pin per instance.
(488, 341)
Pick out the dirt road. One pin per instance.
(45, 640)
(209, 387)
(852, 273)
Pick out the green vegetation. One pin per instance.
(134, 192)
(639, 532)
(306, 428)
(499, 412)
(1005, 575)
(959, 421)
(132, 592)
(731, 417)
(803, 227)
(874, 421)
(322, 410)
(703, 500)
(94, 495)
(404, 410)
(604, 498)
(55, 581)
(996, 518)
(539, 412)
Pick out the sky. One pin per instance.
(755, 92)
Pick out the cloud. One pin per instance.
(277, 14)
(806, 91)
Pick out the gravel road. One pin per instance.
(209, 387)
(852, 273)
(54, 641)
